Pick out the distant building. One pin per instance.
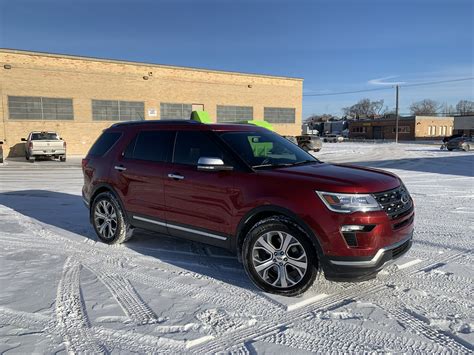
(409, 128)
(464, 125)
(79, 97)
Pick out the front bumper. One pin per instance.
(363, 268)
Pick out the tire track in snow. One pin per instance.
(126, 296)
(288, 319)
(73, 323)
(32, 321)
(327, 336)
(406, 318)
(340, 297)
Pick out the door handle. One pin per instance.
(176, 176)
(120, 168)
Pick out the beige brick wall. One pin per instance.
(83, 79)
(433, 126)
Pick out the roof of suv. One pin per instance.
(189, 123)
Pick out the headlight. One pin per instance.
(347, 203)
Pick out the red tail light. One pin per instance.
(64, 144)
(84, 163)
(30, 145)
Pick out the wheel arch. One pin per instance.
(104, 187)
(259, 213)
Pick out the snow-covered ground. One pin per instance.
(62, 291)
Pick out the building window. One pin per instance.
(279, 115)
(403, 129)
(234, 113)
(450, 130)
(39, 108)
(170, 111)
(359, 129)
(111, 110)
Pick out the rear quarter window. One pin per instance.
(104, 143)
(152, 146)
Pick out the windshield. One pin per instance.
(44, 136)
(266, 149)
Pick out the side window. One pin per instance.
(103, 144)
(191, 145)
(151, 146)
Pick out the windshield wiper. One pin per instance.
(271, 166)
(304, 162)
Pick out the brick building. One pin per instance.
(78, 97)
(409, 128)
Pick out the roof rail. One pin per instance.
(157, 122)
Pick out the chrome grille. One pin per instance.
(394, 202)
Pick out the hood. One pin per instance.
(338, 177)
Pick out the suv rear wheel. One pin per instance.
(108, 219)
(279, 258)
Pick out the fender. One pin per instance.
(236, 242)
(104, 185)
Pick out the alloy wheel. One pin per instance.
(279, 259)
(105, 219)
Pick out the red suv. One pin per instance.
(286, 214)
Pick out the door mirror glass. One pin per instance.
(212, 164)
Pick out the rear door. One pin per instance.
(140, 172)
(199, 205)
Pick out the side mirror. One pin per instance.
(212, 164)
(23, 139)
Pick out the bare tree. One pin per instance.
(425, 107)
(365, 108)
(465, 107)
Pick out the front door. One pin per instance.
(199, 205)
(378, 134)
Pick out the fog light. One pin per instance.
(352, 228)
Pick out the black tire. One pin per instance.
(62, 158)
(122, 232)
(466, 147)
(450, 149)
(305, 147)
(27, 156)
(282, 225)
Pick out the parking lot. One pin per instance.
(61, 290)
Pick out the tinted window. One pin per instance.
(44, 136)
(151, 146)
(104, 143)
(264, 149)
(191, 145)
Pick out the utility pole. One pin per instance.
(396, 113)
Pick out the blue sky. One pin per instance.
(334, 45)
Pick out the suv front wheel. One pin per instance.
(279, 258)
(109, 220)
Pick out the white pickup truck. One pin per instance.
(44, 144)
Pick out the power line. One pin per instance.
(390, 88)
(438, 82)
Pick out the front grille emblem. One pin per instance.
(405, 199)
